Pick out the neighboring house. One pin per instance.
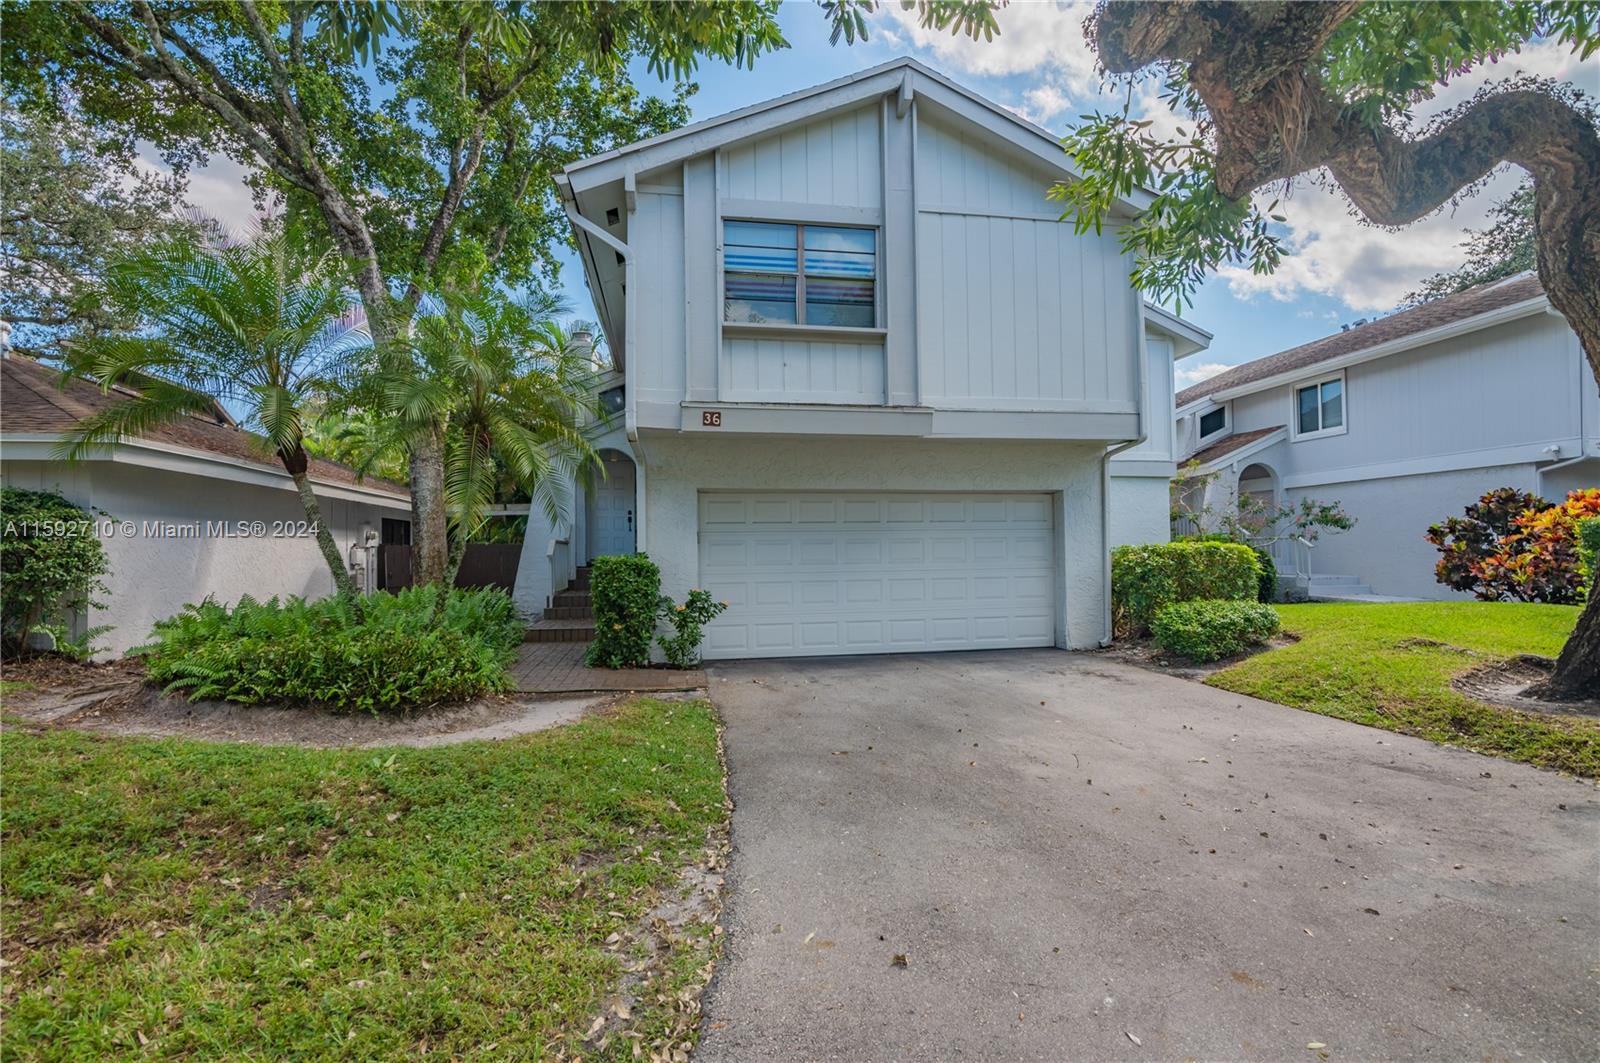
(192, 509)
(867, 384)
(1404, 421)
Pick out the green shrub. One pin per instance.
(688, 623)
(313, 653)
(1589, 550)
(1266, 581)
(51, 563)
(626, 593)
(1207, 629)
(1145, 578)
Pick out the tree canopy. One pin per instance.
(1507, 247)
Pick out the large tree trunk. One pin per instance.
(296, 465)
(430, 543)
(1577, 673)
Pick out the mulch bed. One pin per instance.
(1503, 683)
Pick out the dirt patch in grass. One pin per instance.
(1506, 682)
(114, 699)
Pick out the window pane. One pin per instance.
(1215, 421)
(839, 301)
(1308, 409)
(749, 245)
(841, 252)
(1333, 404)
(759, 297)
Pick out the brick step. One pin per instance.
(560, 631)
(569, 612)
(571, 599)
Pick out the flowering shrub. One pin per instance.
(1515, 546)
(688, 620)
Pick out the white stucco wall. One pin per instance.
(675, 468)
(153, 576)
(1386, 548)
(1141, 511)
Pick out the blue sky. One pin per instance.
(1337, 269)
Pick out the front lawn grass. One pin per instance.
(180, 899)
(1390, 666)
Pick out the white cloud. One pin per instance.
(216, 190)
(1033, 38)
(1188, 374)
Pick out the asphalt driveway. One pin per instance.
(1078, 859)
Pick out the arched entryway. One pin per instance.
(612, 509)
(1259, 482)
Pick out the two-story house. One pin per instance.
(868, 388)
(1404, 421)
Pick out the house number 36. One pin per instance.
(711, 418)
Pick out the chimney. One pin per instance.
(583, 346)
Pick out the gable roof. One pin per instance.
(1397, 332)
(904, 75)
(34, 402)
(1230, 445)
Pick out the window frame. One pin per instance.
(1199, 422)
(800, 324)
(1344, 407)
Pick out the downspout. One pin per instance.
(1105, 466)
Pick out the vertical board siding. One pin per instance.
(836, 161)
(1014, 308)
(763, 370)
(656, 238)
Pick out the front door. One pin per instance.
(613, 510)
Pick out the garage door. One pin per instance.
(812, 574)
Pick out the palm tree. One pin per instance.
(501, 384)
(266, 326)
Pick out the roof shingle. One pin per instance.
(33, 401)
(1445, 311)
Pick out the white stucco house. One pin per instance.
(1404, 421)
(868, 388)
(191, 510)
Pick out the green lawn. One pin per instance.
(179, 899)
(1390, 666)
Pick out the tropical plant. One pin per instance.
(1588, 533)
(688, 619)
(1540, 560)
(417, 135)
(400, 652)
(500, 384)
(1467, 541)
(267, 326)
(52, 564)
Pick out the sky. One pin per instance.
(1337, 269)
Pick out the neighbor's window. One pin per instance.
(799, 274)
(1319, 407)
(1213, 422)
(612, 400)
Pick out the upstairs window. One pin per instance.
(1213, 422)
(811, 275)
(1319, 407)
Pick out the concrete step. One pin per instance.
(569, 612)
(560, 631)
(1318, 580)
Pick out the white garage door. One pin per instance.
(811, 574)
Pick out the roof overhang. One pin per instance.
(1232, 457)
(1488, 319)
(1187, 337)
(35, 446)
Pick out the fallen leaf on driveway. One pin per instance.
(900, 960)
(1132, 1038)
(1370, 911)
(1314, 1045)
(809, 936)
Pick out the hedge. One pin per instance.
(1145, 578)
(1208, 629)
(1589, 550)
(626, 596)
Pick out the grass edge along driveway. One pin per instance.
(170, 898)
(1390, 666)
